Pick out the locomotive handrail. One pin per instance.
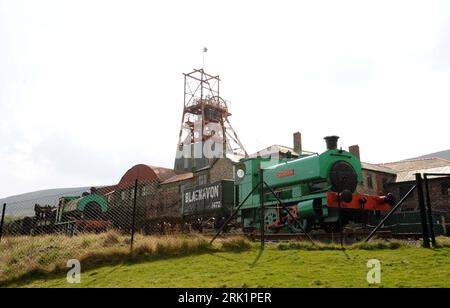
(390, 213)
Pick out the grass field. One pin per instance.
(274, 267)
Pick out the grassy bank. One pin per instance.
(189, 261)
(26, 256)
(402, 267)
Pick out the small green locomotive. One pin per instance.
(319, 190)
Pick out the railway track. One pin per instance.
(348, 237)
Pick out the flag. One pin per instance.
(205, 49)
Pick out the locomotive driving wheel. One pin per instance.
(271, 220)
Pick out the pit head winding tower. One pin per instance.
(206, 132)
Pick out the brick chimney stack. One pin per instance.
(298, 143)
(354, 149)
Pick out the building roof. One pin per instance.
(377, 168)
(410, 175)
(179, 178)
(406, 169)
(276, 149)
(235, 158)
(145, 173)
(417, 164)
(163, 173)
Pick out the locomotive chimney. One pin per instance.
(354, 149)
(298, 143)
(331, 142)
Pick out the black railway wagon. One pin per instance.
(208, 205)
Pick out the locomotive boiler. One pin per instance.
(319, 191)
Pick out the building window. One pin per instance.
(202, 179)
(132, 193)
(369, 181)
(123, 195)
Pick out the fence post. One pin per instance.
(133, 223)
(339, 193)
(429, 210)
(423, 213)
(341, 228)
(2, 221)
(261, 197)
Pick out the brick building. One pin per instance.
(397, 178)
(375, 179)
(439, 186)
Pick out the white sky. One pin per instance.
(90, 88)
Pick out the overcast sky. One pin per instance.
(90, 88)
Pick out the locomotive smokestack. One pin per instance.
(331, 142)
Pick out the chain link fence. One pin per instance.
(37, 231)
(134, 206)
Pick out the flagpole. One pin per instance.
(203, 57)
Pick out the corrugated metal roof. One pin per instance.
(145, 173)
(162, 173)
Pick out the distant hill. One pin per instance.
(23, 205)
(442, 154)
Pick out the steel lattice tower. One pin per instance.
(206, 132)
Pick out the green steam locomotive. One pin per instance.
(314, 191)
